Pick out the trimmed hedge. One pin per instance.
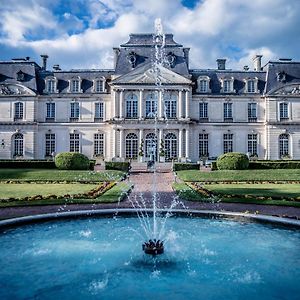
(115, 165)
(185, 166)
(27, 164)
(72, 161)
(274, 164)
(233, 161)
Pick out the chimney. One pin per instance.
(186, 52)
(221, 63)
(257, 62)
(44, 57)
(56, 68)
(116, 56)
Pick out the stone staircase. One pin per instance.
(141, 167)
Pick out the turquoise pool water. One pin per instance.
(101, 258)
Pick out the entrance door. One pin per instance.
(151, 146)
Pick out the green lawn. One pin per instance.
(241, 175)
(23, 190)
(116, 193)
(267, 190)
(187, 193)
(59, 175)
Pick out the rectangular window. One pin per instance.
(19, 111)
(228, 142)
(227, 86)
(203, 86)
(75, 86)
(99, 111)
(50, 144)
(99, 86)
(50, 111)
(74, 111)
(98, 144)
(252, 112)
(251, 86)
(252, 144)
(170, 109)
(228, 112)
(283, 110)
(203, 145)
(203, 110)
(51, 86)
(74, 142)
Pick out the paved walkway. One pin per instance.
(144, 185)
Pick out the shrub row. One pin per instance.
(31, 164)
(185, 166)
(114, 165)
(280, 164)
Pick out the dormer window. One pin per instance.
(251, 85)
(51, 85)
(203, 84)
(75, 85)
(99, 85)
(20, 76)
(227, 85)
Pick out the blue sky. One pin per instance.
(81, 33)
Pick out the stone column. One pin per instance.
(115, 104)
(180, 105)
(114, 143)
(121, 143)
(180, 144)
(121, 104)
(141, 104)
(160, 105)
(141, 134)
(187, 104)
(187, 146)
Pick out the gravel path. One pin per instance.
(144, 185)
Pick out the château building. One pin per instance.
(121, 113)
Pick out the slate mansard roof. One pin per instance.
(275, 74)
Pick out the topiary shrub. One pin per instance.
(72, 161)
(233, 161)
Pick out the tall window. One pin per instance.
(228, 142)
(228, 112)
(75, 85)
(74, 142)
(131, 143)
(283, 110)
(50, 111)
(151, 105)
(170, 102)
(99, 111)
(252, 112)
(151, 145)
(50, 144)
(19, 111)
(18, 143)
(99, 144)
(251, 86)
(170, 146)
(74, 110)
(283, 145)
(99, 85)
(203, 86)
(226, 86)
(203, 144)
(51, 86)
(131, 106)
(203, 110)
(252, 144)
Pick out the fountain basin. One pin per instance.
(88, 257)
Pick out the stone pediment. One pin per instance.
(293, 90)
(149, 75)
(12, 89)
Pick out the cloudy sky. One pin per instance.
(81, 33)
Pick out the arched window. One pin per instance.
(131, 142)
(151, 145)
(151, 105)
(18, 144)
(170, 146)
(284, 145)
(99, 85)
(131, 106)
(170, 102)
(19, 111)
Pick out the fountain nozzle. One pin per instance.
(153, 247)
